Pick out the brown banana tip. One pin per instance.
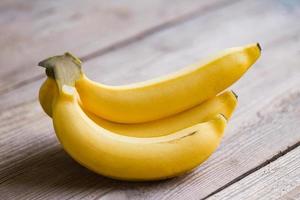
(236, 96)
(259, 47)
(224, 116)
(41, 64)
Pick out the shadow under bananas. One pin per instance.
(53, 170)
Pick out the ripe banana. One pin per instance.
(131, 158)
(224, 103)
(157, 98)
(48, 91)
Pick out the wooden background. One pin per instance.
(128, 41)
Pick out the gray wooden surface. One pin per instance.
(128, 41)
(279, 179)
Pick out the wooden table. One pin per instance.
(128, 41)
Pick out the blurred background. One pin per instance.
(121, 42)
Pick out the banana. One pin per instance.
(48, 91)
(224, 103)
(157, 98)
(131, 158)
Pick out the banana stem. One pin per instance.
(65, 69)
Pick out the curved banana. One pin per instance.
(157, 98)
(48, 91)
(225, 104)
(131, 158)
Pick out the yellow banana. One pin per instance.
(48, 91)
(225, 104)
(157, 98)
(131, 158)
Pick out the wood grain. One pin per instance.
(168, 51)
(280, 179)
(38, 134)
(291, 195)
(244, 148)
(33, 165)
(41, 156)
(34, 30)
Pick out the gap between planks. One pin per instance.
(278, 180)
(251, 171)
(293, 96)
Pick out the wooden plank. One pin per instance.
(243, 149)
(38, 137)
(41, 156)
(168, 51)
(292, 195)
(33, 30)
(280, 179)
(176, 47)
(267, 107)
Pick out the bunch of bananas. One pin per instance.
(145, 131)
